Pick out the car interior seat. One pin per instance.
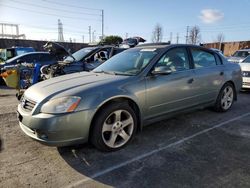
(177, 63)
(103, 55)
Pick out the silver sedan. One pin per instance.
(139, 86)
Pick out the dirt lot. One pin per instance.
(199, 149)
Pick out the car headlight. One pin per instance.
(61, 105)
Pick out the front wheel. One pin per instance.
(225, 98)
(114, 126)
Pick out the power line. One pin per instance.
(69, 5)
(61, 10)
(53, 28)
(50, 14)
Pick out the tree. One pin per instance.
(194, 35)
(111, 40)
(157, 33)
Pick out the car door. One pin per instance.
(172, 92)
(209, 74)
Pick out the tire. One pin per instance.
(2, 83)
(225, 98)
(113, 127)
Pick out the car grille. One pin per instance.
(246, 74)
(27, 104)
(246, 83)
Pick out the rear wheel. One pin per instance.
(114, 126)
(225, 98)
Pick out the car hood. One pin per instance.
(235, 59)
(245, 66)
(56, 49)
(70, 84)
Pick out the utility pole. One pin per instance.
(60, 31)
(83, 39)
(102, 24)
(177, 38)
(89, 34)
(171, 37)
(93, 36)
(187, 34)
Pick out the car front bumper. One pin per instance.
(56, 130)
(246, 82)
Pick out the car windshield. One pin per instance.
(241, 54)
(129, 62)
(247, 60)
(80, 54)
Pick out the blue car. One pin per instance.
(41, 58)
(85, 59)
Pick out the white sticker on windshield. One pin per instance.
(148, 50)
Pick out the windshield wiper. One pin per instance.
(113, 73)
(123, 74)
(105, 72)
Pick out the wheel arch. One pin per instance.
(235, 93)
(128, 100)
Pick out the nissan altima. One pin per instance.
(139, 86)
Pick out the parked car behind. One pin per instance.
(42, 58)
(8, 53)
(245, 67)
(239, 56)
(85, 59)
(139, 86)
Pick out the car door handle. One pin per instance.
(190, 81)
(221, 73)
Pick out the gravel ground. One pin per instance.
(199, 149)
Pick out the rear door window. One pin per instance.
(31, 58)
(47, 57)
(203, 58)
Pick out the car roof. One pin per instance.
(165, 45)
(20, 47)
(25, 54)
(29, 53)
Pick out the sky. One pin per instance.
(38, 19)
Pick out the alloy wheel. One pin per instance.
(227, 98)
(118, 128)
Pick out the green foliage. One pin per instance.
(111, 40)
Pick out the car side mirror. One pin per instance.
(161, 70)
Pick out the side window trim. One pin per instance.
(191, 60)
(218, 59)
